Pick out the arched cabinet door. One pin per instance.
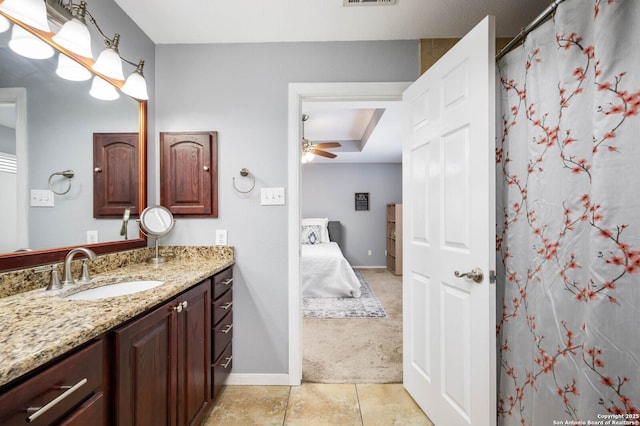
(189, 173)
(115, 174)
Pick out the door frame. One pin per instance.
(18, 96)
(313, 92)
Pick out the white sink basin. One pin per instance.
(113, 290)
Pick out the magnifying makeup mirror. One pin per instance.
(156, 222)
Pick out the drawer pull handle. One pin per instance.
(226, 364)
(228, 281)
(41, 410)
(227, 328)
(226, 305)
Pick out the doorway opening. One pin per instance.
(300, 93)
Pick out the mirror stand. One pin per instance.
(156, 222)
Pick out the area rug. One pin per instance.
(365, 306)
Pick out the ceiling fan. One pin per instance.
(310, 149)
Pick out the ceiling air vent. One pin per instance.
(369, 2)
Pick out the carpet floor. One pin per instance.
(357, 350)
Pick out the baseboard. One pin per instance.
(258, 379)
(369, 267)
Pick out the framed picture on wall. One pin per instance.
(362, 201)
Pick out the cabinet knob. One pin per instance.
(205, 168)
(180, 306)
(97, 170)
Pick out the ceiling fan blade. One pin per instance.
(323, 153)
(327, 145)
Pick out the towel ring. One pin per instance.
(244, 173)
(68, 174)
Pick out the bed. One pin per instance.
(325, 270)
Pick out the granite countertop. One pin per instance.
(39, 325)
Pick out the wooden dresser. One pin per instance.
(394, 238)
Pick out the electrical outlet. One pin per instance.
(92, 237)
(369, 252)
(221, 237)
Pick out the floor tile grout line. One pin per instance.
(286, 408)
(359, 405)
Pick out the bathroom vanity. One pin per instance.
(157, 356)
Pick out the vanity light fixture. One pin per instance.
(108, 62)
(32, 38)
(26, 44)
(30, 12)
(71, 70)
(74, 34)
(136, 86)
(102, 90)
(4, 24)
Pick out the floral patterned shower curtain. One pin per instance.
(568, 166)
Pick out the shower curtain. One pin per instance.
(568, 235)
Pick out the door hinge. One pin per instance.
(492, 277)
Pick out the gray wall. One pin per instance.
(240, 90)
(61, 120)
(328, 191)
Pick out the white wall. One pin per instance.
(241, 91)
(328, 191)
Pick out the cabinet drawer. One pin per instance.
(222, 335)
(56, 390)
(220, 370)
(90, 413)
(222, 282)
(221, 306)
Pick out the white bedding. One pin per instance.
(326, 272)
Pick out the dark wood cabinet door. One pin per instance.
(189, 173)
(115, 174)
(145, 369)
(194, 342)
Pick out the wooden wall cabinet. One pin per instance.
(189, 173)
(115, 174)
(162, 362)
(394, 238)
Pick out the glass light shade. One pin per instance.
(307, 157)
(71, 70)
(74, 36)
(101, 89)
(109, 64)
(136, 86)
(4, 24)
(26, 44)
(31, 12)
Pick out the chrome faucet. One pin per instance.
(67, 276)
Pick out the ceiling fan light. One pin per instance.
(74, 36)
(30, 12)
(308, 157)
(26, 44)
(71, 70)
(103, 90)
(4, 24)
(109, 64)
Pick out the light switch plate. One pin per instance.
(41, 198)
(272, 196)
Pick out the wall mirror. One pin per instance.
(46, 126)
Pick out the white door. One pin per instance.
(449, 225)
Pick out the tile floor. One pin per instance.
(316, 404)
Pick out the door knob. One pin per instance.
(475, 275)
